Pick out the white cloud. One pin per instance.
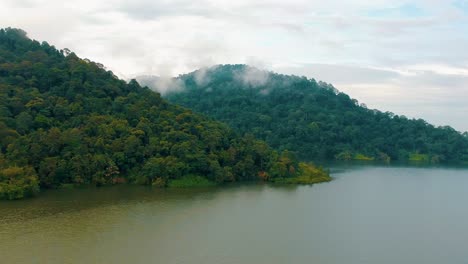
(407, 54)
(253, 76)
(161, 84)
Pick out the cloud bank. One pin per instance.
(406, 56)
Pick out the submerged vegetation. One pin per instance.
(312, 118)
(68, 121)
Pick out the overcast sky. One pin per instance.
(407, 57)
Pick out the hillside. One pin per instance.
(68, 121)
(312, 118)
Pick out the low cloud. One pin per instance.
(162, 85)
(252, 76)
(202, 76)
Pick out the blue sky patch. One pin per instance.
(406, 10)
(462, 5)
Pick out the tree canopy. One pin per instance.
(312, 118)
(66, 120)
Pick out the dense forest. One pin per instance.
(69, 121)
(312, 118)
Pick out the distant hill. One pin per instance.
(68, 121)
(312, 118)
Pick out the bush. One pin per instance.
(18, 182)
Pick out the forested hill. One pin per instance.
(66, 120)
(312, 118)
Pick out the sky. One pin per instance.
(406, 57)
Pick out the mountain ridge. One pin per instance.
(323, 123)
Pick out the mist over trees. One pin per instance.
(312, 118)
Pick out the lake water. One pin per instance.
(368, 214)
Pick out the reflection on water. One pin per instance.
(368, 214)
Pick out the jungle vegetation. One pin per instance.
(69, 121)
(312, 118)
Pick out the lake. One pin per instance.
(368, 214)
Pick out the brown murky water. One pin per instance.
(367, 214)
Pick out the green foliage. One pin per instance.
(285, 167)
(66, 121)
(190, 181)
(308, 174)
(416, 157)
(348, 156)
(312, 118)
(345, 155)
(18, 182)
(360, 156)
(163, 167)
